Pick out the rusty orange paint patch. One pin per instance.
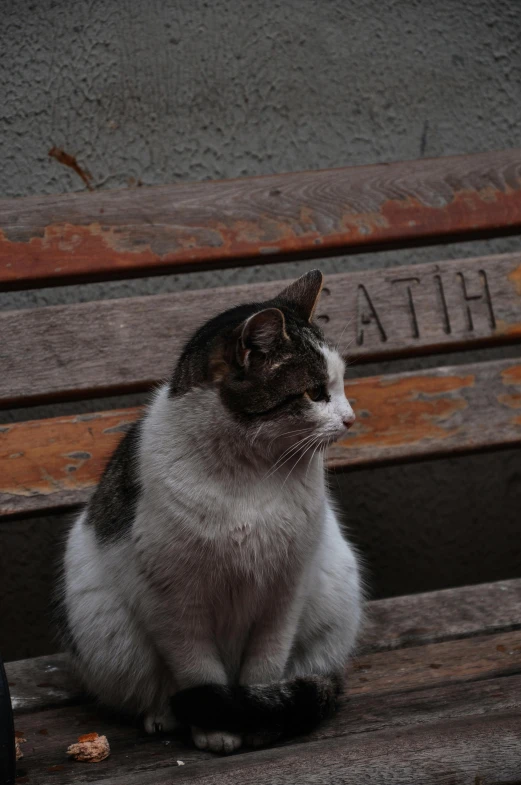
(502, 328)
(405, 411)
(65, 251)
(512, 375)
(512, 401)
(365, 224)
(466, 210)
(59, 454)
(515, 277)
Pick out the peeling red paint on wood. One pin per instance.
(400, 416)
(511, 330)
(59, 454)
(405, 411)
(514, 401)
(442, 412)
(458, 211)
(66, 250)
(81, 236)
(512, 375)
(515, 277)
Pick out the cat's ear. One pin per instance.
(303, 293)
(262, 332)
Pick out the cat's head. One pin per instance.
(272, 368)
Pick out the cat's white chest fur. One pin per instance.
(234, 514)
(246, 531)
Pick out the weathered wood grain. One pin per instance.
(469, 751)
(81, 444)
(444, 411)
(48, 733)
(369, 713)
(58, 239)
(433, 617)
(82, 350)
(468, 659)
(46, 681)
(42, 682)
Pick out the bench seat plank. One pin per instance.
(87, 236)
(127, 344)
(443, 615)
(51, 464)
(464, 752)
(48, 733)
(411, 620)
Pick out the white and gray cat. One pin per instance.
(207, 582)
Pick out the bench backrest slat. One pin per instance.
(51, 464)
(91, 236)
(125, 345)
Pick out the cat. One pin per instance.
(207, 581)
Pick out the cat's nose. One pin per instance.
(348, 421)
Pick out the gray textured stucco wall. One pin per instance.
(162, 91)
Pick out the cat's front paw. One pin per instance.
(216, 740)
(160, 722)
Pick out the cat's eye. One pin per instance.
(318, 393)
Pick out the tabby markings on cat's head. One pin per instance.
(272, 367)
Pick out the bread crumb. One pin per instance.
(19, 739)
(91, 747)
(180, 763)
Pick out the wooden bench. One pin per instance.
(434, 693)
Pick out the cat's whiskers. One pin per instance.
(287, 455)
(337, 345)
(290, 447)
(291, 450)
(324, 450)
(344, 350)
(259, 429)
(317, 447)
(288, 433)
(314, 443)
